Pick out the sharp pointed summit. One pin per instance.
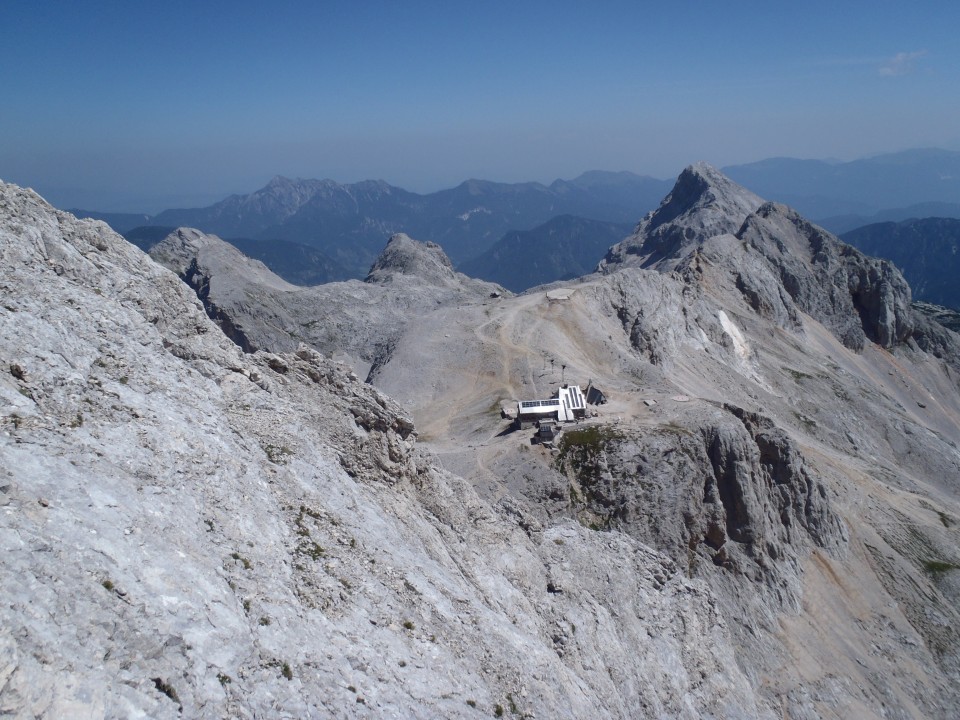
(703, 203)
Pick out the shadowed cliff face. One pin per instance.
(732, 493)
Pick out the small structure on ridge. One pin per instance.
(567, 405)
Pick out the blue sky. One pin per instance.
(144, 105)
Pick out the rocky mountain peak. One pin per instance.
(405, 256)
(702, 204)
(278, 181)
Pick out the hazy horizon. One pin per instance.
(140, 107)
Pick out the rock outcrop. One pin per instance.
(362, 320)
(859, 298)
(404, 256)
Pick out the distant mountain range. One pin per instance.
(120, 222)
(927, 251)
(479, 224)
(821, 189)
(350, 223)
(843, 223)
(562, 248)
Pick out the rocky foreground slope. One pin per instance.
(762, 522)
(193, 531)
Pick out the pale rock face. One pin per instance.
(361, 320)
(404, 256)
(781, 263)
(858, 297)
(761, 522)
(192, 531)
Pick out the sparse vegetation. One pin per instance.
(277, 454)
(407, 624)
(312, 550)
(108, 584)
(936, 567)
(808, 422)
(264, 621)
(583, 448)
(797, 374)
(224, 679)
(676, 428)
(582, 453)
(498, 710)
(242, 560)
(472, 703)
(286, 671)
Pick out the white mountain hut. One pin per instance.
(567, 405)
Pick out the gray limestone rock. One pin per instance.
(760, 521)
(361, 320)
(193, 531)
(857, 297)
(404, 256)
(781, 263)
(703, 203)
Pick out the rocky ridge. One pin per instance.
(702, 204)
(191, 530)
(783, 265)
(360, 320)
